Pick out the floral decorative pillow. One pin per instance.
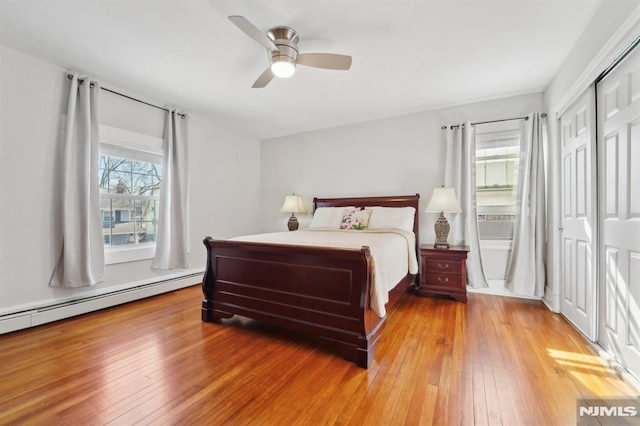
(355, 220)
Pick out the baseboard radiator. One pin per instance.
(70, 308)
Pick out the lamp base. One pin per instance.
(441, 228)
(293, 223)
(442, 246)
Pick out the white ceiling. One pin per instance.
(408, 55)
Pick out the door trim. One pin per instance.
(607, 55)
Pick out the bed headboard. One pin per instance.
(387, 201)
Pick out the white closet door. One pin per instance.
(619, 211)
(578, 214)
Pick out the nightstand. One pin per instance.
(443, 272)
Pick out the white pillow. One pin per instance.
(328, 217)
(392, 218)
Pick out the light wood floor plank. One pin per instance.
(490, 361)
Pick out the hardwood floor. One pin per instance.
(491, 361)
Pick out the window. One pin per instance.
(130, 174)
(129, 196)
(497, 157)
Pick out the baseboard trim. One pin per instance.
(499, 292)
(70, 308)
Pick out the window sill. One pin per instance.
(496, 188)
(113, 255)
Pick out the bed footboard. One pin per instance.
(323, 291)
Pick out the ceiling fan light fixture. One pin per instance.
(282, 48)
(283, 66)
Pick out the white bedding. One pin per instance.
(393, 253)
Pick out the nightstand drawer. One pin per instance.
(439, 279)
(442, 266)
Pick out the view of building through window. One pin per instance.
(497, 156)
(129, 200)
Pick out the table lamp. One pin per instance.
(442, 200)
(293, 204)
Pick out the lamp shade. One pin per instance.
(443, 200)
(293, 204)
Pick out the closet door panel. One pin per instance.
(618, 99)
(578, 214)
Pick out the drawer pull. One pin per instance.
(445, 266)
(443, 280)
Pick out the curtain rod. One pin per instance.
(69, 76)
(455, 126)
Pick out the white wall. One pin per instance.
(395, 156)
(224, 171)
(611, 29)
(236, 185)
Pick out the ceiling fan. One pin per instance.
(282, 44)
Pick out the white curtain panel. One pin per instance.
(460, 173)
(172, 245)
(526, 268)
(82, 259)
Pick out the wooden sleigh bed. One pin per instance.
(319, 290)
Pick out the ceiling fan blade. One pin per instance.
(249, 29)
(264, 79)
(328, 61)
